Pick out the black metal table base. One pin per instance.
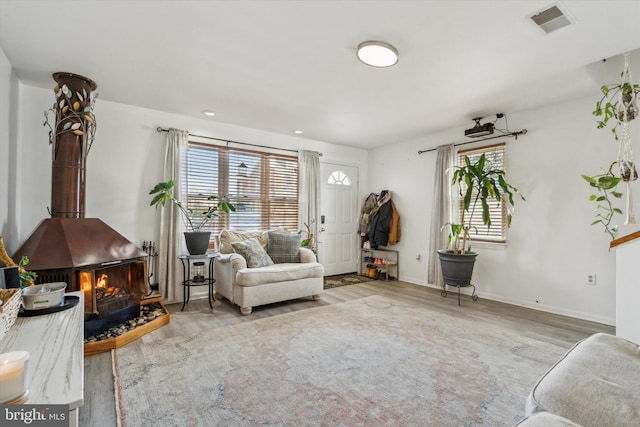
(474, 297)
(187, 283)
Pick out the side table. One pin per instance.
(188, 281)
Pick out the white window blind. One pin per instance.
(495, 158)
(262, 186)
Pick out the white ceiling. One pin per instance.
(285, 65)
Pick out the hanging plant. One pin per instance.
(616, 100)
(618, 103)
(605, 184)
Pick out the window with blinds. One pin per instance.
(495, 157)
(262, 186)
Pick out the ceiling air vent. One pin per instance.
(551, 19)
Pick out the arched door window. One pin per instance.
(339, 178)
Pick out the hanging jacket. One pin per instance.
(380, 223)
(365, 214)
(394, 228)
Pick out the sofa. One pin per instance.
(596, 383)
(264, 267)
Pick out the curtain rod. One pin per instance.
(512, 134)
(160, 130)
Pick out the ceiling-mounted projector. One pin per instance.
(479, 129)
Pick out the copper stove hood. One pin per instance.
(59, 243)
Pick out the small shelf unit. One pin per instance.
(389, 269)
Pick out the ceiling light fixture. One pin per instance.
(377, 54)
(297, 131)
(209, 113)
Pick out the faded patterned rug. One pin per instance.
(368, 362)
(344, 280)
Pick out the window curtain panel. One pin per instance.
(171, 224)
(441, 212)
(309, 188)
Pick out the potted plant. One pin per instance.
(194, 218)
(605, 184)
(478, 184)
(617, 99)
(27, 278)
(619, 102)
(311, 242)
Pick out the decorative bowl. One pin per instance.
(42, 296)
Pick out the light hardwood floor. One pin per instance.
(99, 401)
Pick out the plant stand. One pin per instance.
(474, 297)
(457, 270)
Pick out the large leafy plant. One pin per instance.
(195, 218)
(479, 184)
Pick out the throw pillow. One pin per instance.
(228, 237)
(283, 247)
(253, 252)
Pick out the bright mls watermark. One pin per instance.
(34, 415)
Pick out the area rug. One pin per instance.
(344, 280)
(367, 362)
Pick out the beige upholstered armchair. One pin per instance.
(247, 278)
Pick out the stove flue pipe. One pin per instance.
(71, 138)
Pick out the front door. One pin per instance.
(338, 251)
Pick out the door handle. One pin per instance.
(321, 219)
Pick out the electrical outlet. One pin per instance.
(591, 279)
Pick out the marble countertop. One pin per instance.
(56, 354)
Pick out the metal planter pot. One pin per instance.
(457, 268)
(197, 241)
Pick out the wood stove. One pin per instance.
(85, 253)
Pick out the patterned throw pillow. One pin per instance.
(253, 252)
(283, 247)
(227, 237)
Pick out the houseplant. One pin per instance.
(605, 184)
(617, 99)
(27, 278)
(478, 184)
(195, 218)
(619, 103)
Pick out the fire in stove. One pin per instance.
(112, 288)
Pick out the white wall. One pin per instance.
(8, 148)
(551, 244)
(126, 161)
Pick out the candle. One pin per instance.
(14, 367)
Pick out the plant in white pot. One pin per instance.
(479, 184)
(195, 218)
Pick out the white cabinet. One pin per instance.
(627, 290)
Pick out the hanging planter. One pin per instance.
(619, 103)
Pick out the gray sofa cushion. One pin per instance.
(283, 247)
(545, 419)
(597, 383)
